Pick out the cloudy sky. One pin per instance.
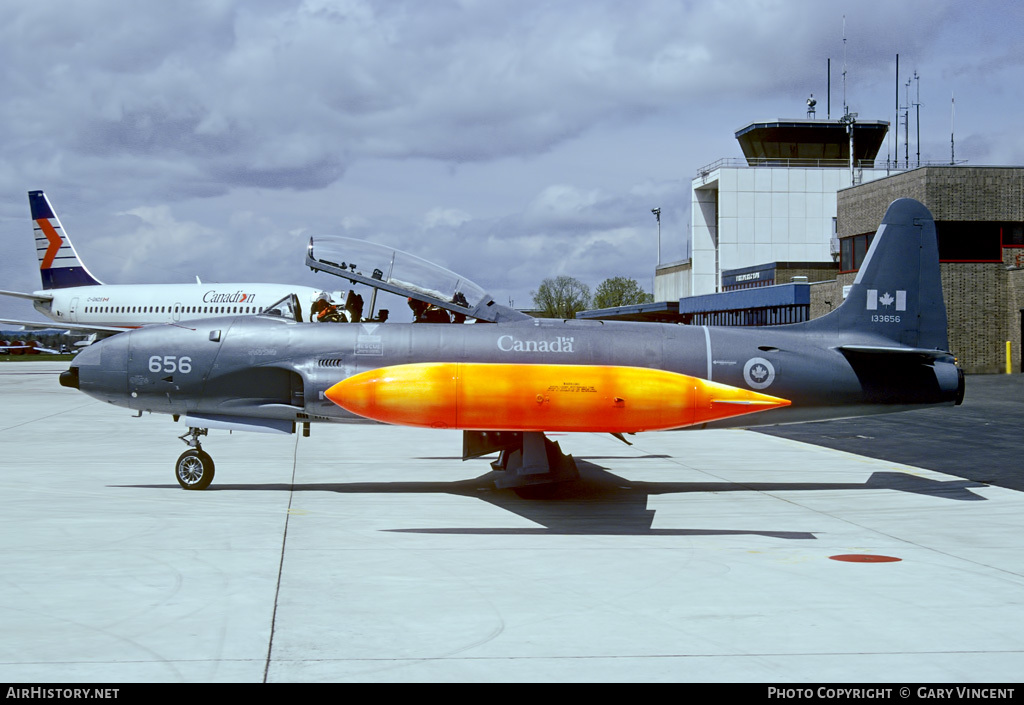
(509, 141)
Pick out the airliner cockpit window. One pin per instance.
(418, 278)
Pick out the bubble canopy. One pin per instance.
(398, 272)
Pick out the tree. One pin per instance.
(561, 297)
(620, 291)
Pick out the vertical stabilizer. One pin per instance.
(59, 264)
(898, 292)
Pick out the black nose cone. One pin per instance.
(69, 378)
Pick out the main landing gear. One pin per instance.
(194, 469)
(526, 459)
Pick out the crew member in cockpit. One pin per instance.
(418, 309)
(423, 312)
(436, 314)
(323, 310)
(459, 299)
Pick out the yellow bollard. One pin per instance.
(1009, 359)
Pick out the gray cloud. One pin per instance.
(558, 125)
(254, 95)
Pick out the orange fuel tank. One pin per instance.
(517, 397)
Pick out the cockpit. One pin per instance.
(401, 273)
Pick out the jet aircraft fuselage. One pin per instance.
(287, 367)
(135, 305)
(883, 349)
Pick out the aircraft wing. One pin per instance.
(37, 348)
(31, 297)
(101, 331)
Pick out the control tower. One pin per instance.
(814, 143)
(778, 202)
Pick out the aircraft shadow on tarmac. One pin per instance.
(601, 503)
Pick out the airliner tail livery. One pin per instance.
(59, 264)
(77, 300)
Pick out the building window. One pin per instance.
(1013, 234)
(969, 241)
(852, 251)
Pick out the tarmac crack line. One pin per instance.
(280, 565)
(44, 418)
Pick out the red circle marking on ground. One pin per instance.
(864, 558)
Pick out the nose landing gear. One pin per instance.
(194, 469)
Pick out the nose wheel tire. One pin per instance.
(194, 470)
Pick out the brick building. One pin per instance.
(979, 219)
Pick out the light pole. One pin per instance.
(657, 214)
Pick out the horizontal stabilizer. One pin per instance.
(926, 353)
(895, 375)
(31, 297)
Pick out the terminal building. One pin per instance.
(778, 234)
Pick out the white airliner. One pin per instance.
(78, 301)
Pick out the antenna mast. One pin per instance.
(917, 108)
(906, 127)
(952, 121)
(896, 157)
(846, 108)
(848, 118)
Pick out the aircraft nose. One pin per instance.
(69, 377)
(101, 370)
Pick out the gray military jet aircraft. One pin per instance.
(507, 378)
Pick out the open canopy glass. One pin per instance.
(404, 274)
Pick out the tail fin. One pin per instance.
(897, 294)
(59, 264)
